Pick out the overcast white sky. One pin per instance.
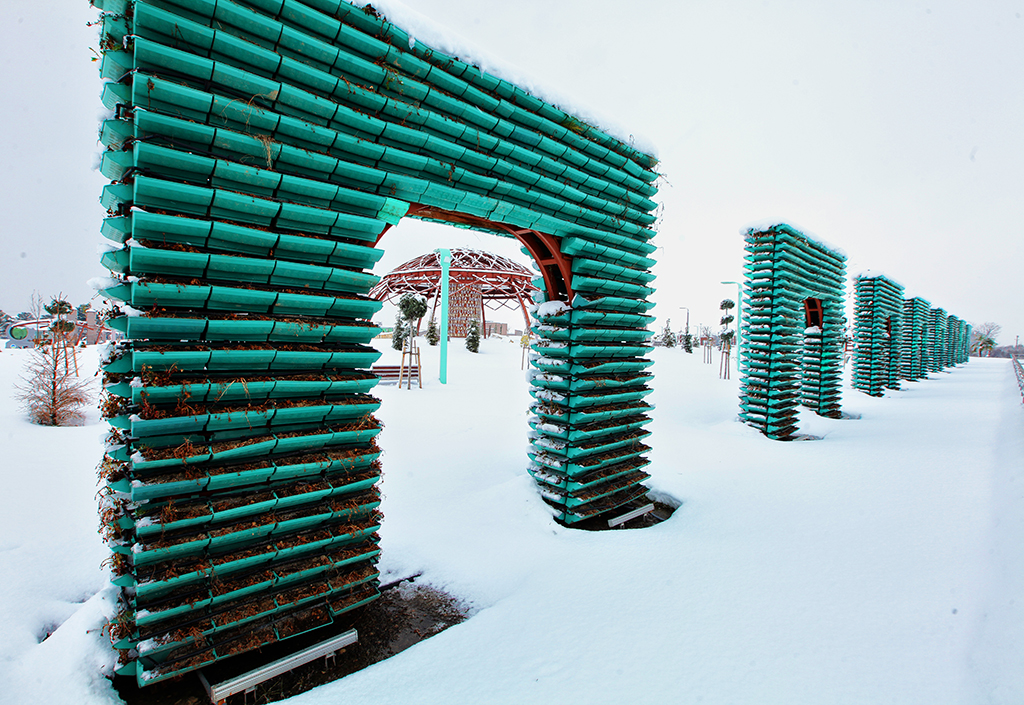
(891, 129)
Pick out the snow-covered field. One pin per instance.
(881, 564)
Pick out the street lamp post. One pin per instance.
(687, 332)
(739, 318)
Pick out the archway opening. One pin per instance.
(810, 361)
(488, 281)
(813, 313)
(613, 428)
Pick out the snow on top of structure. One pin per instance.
(764, 225)
(423, 29)
(106, 352)
(552, 461)
(551, 308)
(549, 395)
(549, 361)
(101, 283)
(550, 443)
(547, 426)
(875, 274)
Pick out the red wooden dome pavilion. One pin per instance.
(489, 280)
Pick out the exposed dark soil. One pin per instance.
(404, 615)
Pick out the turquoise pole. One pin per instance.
(446, 259)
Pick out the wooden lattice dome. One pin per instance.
(501, 282)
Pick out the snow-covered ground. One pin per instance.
(881, 564)
(50, 554)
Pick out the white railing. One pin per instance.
(1019, 371)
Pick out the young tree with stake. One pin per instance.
(49, 391)
(668, 338)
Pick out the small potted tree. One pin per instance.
(433, 334)
(411, 308)
(399, 334)
(668, 338)
(726, 336)
(473, 336)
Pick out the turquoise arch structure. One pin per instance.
(878, 316)
(786, 361)
(258, 151)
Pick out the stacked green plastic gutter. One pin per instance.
(878, 314)
(912, 339)
(957, 349)
(935, 346)
(589, 383)
(952, 340)
(946, 341)
(258, 151)
(785, 361)
(931, 340)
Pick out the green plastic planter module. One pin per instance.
(232, 238)
(195, 297)
(243, 330)
(142, 261)
(256, 155)
(147, 487)
(315, 415)
(235, 391)
(181, 359)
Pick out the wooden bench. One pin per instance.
(395, 373)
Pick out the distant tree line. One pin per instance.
(41, 313)
(1008, 351)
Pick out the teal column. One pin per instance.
(446, 260)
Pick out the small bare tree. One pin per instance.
(983, 338)
(49, 392)
(35, 304)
